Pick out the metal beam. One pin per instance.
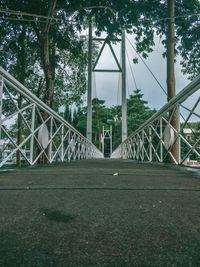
(89, 93)
(124, 104)
(113, 53)
(99, 55)
(107, 39)
(106, 70)
(100, 52)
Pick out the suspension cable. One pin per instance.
(132, 73)
(147, 67)
(152, 73)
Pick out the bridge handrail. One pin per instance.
(179, 98)
(176, 101)
(9, 80)
(27, 93)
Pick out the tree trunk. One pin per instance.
(171, 85)
(47, 46)
(170, 51)
(49, 69)
(47, 51)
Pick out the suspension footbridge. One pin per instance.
(78, 209)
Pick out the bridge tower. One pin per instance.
(121, 68)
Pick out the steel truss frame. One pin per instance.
(64, 142)
(148, 142)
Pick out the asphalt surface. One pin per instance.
(79, 214)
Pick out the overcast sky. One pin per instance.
(107, 83)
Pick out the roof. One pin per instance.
(187, 131)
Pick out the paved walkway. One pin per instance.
(79, 214)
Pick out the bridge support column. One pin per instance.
(124, 103)
(121, 68)
(32, 136)
(89, 92)
(161, 138)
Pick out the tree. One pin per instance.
(100, 115)
(68, 114)
(186, 21)
(79, 119)
(137, 111)
(146, 18)
(187, 32)
(19, 58)
(142, 18)
(29, 45)
(57, 45)
(54, 37)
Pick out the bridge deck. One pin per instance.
(79, 214)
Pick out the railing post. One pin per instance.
(74, 146)
(150, 144)
(68, 144)
(143, 145)
(78, 148)
(178, 136)
(62, 142)
(103, 139)
(134, 150)
(50, 137)
(32, 135)
(161, 138)
(110, 140)
(1, 102)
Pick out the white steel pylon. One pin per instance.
(121, 68)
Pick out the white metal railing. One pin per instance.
(154, 140)
(43, 136)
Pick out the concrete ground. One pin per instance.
(78, 214)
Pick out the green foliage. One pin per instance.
(187, 26)
(22, 41)
(68, 114)
(100, 116)
(137, 113)
(80, 119)
(67, 51)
